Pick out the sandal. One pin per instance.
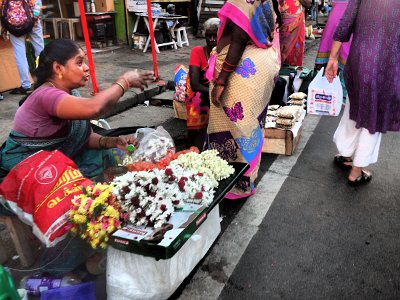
(341, 161)
(365, 177)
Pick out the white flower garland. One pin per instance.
(207, 162)
(150, 197)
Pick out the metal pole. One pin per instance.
(88, 47)
(152, 40)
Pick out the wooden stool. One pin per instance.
(20, 235)
(181, 36)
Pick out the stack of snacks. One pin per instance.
(287, 116)
(298, 99)
(271, 113)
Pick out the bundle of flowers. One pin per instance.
(150, 197)
(208, 162)
(95, 215)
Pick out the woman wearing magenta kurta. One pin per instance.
(338, 8)
(372, 76)
(246, 64)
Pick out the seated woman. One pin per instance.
(197, 93)
(51, 118)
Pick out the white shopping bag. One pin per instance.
(324, 98)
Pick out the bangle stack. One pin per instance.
(227, 67)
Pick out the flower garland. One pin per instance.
(207, 162)
(95, 215)
(150, 197)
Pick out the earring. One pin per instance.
(60, 76)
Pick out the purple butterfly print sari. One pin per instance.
(235, 129)
(235, 113)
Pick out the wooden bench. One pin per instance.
(21, 236)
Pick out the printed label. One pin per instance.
(35, 286)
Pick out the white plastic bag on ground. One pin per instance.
(132, 276)
(324, 98)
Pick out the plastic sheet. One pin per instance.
(132, 276)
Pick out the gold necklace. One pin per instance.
(51, 83)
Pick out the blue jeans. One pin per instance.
(18, 43)
(314, 12)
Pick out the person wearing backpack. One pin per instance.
(18, 18)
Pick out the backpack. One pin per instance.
(17, 17)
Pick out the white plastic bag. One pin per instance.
(132, 276)
(153, 144)
(324, 98)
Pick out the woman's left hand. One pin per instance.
(331, 69)
(123, 141)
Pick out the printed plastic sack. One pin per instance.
(324, 98)
(39, 190)
(153, 144)
(181, 73)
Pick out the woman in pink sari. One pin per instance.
(244, 66)
(292, 33)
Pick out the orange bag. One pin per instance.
(40, 189)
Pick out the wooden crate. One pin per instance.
(278, 141)
(180, 110)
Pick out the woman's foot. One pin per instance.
(343, 162)
(359, 176)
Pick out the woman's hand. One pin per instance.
(216, 94)
(138, 78)
(123, 141)
(331, 69)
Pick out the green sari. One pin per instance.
(91, 162)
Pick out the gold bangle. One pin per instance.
(125, 80)
(121, 86)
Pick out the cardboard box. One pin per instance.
(104, 5)
(77, 12)
(9, 76)
(279, 141)
(180, 110)
(137, 5)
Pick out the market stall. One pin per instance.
(158, 210)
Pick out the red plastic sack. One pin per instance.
(40, 189)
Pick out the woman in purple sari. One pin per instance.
(372, 77)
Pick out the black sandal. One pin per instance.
(365, 177)
(341, 161)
